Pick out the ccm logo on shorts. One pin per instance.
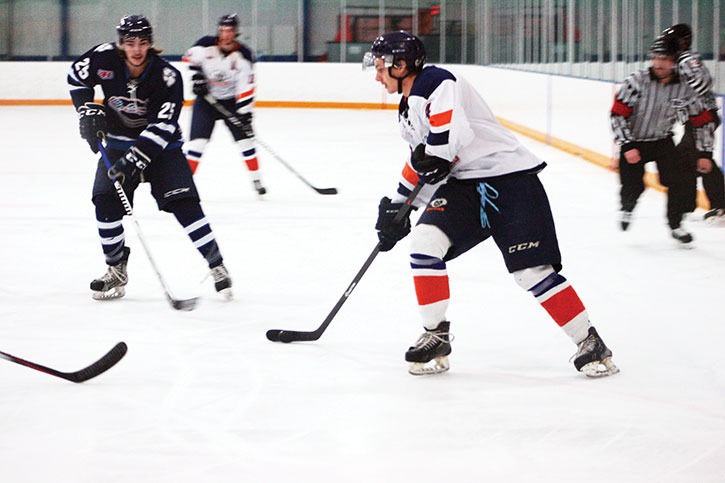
(177, 191)
(520, 247)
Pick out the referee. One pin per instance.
(645, 110)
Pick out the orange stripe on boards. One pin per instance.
(564, 306)
(410, 175)
(431, 289)
(441, 119)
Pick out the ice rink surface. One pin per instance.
(203, 396)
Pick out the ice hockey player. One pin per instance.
(693, 71)
(480, 182)
(142, 99)
(646, 108)
(224, 69)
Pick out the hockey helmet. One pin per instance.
(682, 35)
(394, 46)
(663, 45)
(229, 20)
(134, 26)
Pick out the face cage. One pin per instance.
(368, 60)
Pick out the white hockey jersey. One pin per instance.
(229, 75)
(451, 118)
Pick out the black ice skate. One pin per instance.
(593, 358)
(433, 345)
(715, 216)
(259, 187)
(222, 281)
(625, 218)
(111, 285)
(682, 236)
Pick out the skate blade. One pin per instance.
(602, 368)
(436, 366)
(114, 293)
(227, 293)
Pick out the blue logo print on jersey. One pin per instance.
(132, 112)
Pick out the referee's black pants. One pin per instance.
(673, 171)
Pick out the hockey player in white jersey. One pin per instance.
(223, 68)
(480, 183)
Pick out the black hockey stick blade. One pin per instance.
(97, 368)
(287, 336)
(186, 305)
(326, 191)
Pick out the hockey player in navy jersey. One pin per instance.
(480, 183)
(224, 69)
(142, 99)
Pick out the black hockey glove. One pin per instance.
(430, 169)
(390, 232)
(241, 126)
(199, 84)
(92, 123)
(129, 166)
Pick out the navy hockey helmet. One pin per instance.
(229, 20)
(134, 26)
(394, 46)
(681, 33)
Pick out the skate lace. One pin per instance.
(430, 339)
(585, 346)
(114, 276)
(218, 273)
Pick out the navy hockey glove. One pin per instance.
(129, 166)
(92, 123)
(199, 84)
(241, 126)
(430, 169)
(390, 233)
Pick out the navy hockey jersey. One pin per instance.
(143, 111)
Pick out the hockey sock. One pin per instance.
(193, 164)
(249, 154)
(194, 150)
(190, 215)
(113, 240)
(559, 299)
(430, 278)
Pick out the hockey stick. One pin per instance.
(97, 368)
(232, 118)
(277, 335)
(178, 304)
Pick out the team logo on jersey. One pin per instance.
(437, 204)
(131, 111)
(105, 74)
(169, 76)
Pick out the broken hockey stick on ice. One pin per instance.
(178, 304)
(277, 335)
(233, 119)
(97, 368)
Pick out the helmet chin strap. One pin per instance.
(399, 79)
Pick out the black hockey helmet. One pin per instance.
(229, 20)
(663, 46)
(682, 35)
(393, 46)
(134, 26)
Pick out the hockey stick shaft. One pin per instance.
(97, 368)
(225, 112)
(276, 335)
(188, 304)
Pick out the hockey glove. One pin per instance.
(129, 166)
(430, 169)
(241, 126)
(390, 232)
(92, 123)
(199, 84)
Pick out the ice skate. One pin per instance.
(259, 188)
(433, 346)
(683, 237)
(222, 281)
(715, 217)
(112, 284)
(625, 218)
(593, 358)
